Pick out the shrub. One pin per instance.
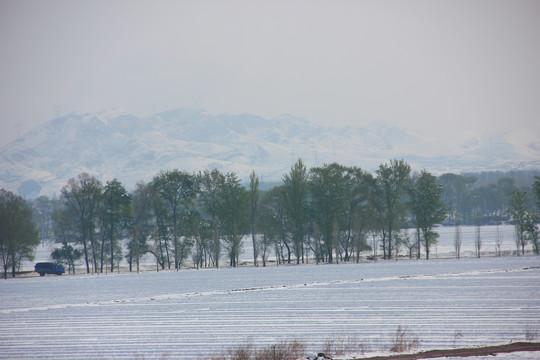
(285, 350)
(404, 341)
(531, 333)
(344, 344)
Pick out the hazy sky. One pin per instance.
(435, 66)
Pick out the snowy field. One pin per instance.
(443, 249)
(195, 313)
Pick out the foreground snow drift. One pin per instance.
(190, 314)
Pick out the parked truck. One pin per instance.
(49, 268)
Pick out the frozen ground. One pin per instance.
(194, 313)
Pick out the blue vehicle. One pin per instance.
(49, 268)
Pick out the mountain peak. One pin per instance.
(115, 143)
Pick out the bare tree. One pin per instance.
(498, 242)
(477, 239)
(457, 239)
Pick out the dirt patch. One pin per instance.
(463, 352)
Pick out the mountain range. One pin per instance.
(114, 144)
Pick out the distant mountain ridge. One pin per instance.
(112, 144)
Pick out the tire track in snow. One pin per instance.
(179, 296)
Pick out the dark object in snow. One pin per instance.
(49, 268)
(319, 356)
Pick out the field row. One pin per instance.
(454, 303)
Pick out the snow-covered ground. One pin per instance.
(443, 249)
(194, 313)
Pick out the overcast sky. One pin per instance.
(434, 66)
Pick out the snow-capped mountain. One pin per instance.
(113, 144)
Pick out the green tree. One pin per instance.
(326, 185)
(518, 211)
(200, 235)
(269, 225)
(81, 197)
(426, 207)
(233, 210)
(115, 212)
(67, 255)
(253, 202)
(295, 204)
(536, 191)
(177, 189)
(457, 197)
(19, 235)
(392, 181)
(274, 222)
(532, 231)
(356, 212)
(505, 187)
(209, 200)
(161, 233)
(141, 224)
(64, 227)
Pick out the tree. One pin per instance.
(392, 180)
(253, 200)
(160, 235)
(274, 222)
(199, 232)
(269, 225)
(42, 208)
(531, 229)
(478, 238)
(457, 239)
(498, 242)
(456, 195)
(209, 199)
(326, 185)
(115, 213)
(295, 205)
(505, 187)
(518, 212)
(409, 244)
(141, 224)
(233, 210)
(19, 235)
(536, 190)
(64, 227)
(357, 212)
(67, 255)
(81, 197)
(426, 206)
(177, 189)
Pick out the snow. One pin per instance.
(195, 140)
(443, 249)
(194, 313)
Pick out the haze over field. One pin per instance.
(114, 144)
(442, 68)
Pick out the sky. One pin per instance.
(442, 68)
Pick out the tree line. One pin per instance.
(329, 213)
